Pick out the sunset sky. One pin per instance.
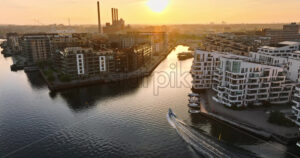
(138, 12)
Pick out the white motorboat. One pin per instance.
(194, 100)
(193, 105)
(194, 111)
(193, 95)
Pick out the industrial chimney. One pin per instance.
(99, 18)
(112, 15)
(117, 15)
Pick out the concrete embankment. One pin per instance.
(256, 131)
(245, 127)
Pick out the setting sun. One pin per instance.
(157, 5)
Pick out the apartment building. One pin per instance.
(203, 68)
(295, 117)
(157, 40)
(81, 62)
(139, 55)
(238, 81)
(37, 46)
(296, 107)
(286, 55)
(13, 42)
(282, 49)
(229, 42)
(62, 41)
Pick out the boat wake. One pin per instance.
(202, 143)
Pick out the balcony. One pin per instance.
(236, 78)
(287, 89)
(284, 94)
(253, 87)
(250, 99)
(262, 97)
(236, 73)
(216, 79)
(234, 87)
(298, 88)
(217, 73)
(252, 81)
(277, 80)
(278, 101)
(296, 110)
(297, 95)
(221, 89)
(253, 76)
(275, 90)
(264, 86)
(273, 96)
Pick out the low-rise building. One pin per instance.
(289, 32)
(230, 42)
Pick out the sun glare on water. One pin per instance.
(157, 5)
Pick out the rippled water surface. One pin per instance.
(126, 119)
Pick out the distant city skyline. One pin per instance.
(36, 12)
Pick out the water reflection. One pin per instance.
(86, 97)
(36, 81)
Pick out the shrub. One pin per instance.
(64, 78)
(41, 65)
(51, 78)
(48, 72)
(278, 118)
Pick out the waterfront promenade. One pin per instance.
(253, 120)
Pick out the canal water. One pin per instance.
(125, 119)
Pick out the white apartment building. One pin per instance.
(296, 108)
(268, 59)
(238, 81)
(204, 66)
(287, 56)
(282, 49)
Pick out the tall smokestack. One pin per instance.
(112, 15)
(117, 15)
(99, 19)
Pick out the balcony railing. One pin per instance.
(296, 109)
